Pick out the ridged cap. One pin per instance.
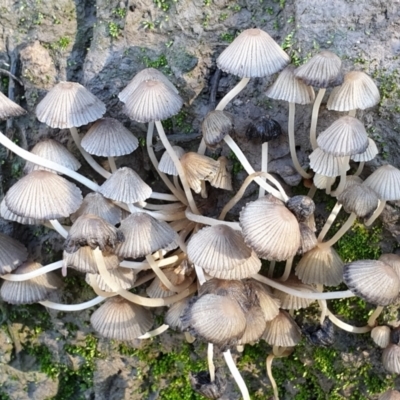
(125, 185)
(8, 215)
(290, 302)
(43, 195)
(119, 319)
(301, 206)
(359, 199)
(322, 70)
(268, 303)
(12, 254)
(345, 137)
(8, 108)
(393, 260)
(381, 335)
(253, 54)
(68, 105)
(174, 313)
(390, 395)
(123, 277)
(288, 88)
(373, 281)
(282, 331)
(386, 182)
(308, 239)
(255, 325)
(368, 154)
(223, 178)
(358, 91)
(391, 358)
(152, 101)
(166, 164)
(215, 126)
(326, 164)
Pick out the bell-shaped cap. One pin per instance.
(282, 331)
(12, 254)
(166, 164)
(368, 154)
(358, 91)
(264, 130)
(215, 126)
(201, 383)
(144, 235)
(175, 312)
(125, 185)
(43, 195)
(290, 302)
(198, 168)
(223, 177)
(381, 335)
(327, 164)
(30, 291)
(288, 88)
(255, 325)
(359, 199)
(93, 231)
(391, 358)
(123, 277)
(8, 108)
(393, 260)
(321, 265)
(322, 181)
(269, 304)
(345, 137)
(152, 101)
(301, 206)
(372, 280)
(253, 54)
(322, 70)
(118, 318)
(390, 395)
(308, 239)
(53, 151)
(8, 215)
(147, 74)
(270, 229)
(69, 104)
(386, 182)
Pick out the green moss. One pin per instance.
(236, 164)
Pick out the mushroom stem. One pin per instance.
(345, 227)
(288, 269)
(189, 338)
(178, 166)
(264, 166)
(332, 216)
(90, 160)
(312, 191)
(372, 319)
(211, 366)
(360, 168)
(150, 151)
(314, 118)
(33, 274)
(376, 213)
(292, 142)
(322, 304)
(268, 363)
(72, 307)
(347, 327)
(235, 199)
(304, 295)
(203, 192)
(155, 332)
(232, 93)
(175, 180)
(59, 228)
(163, 196)
(271, 269)
(200, 274)
(111, 163)
(164, 207)
(343, 170)
(250, 170)
(200, 219)
(236, 375)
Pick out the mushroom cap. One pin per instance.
(345, 137)
(215, 126)
(201, 383)
(43, 195)
(270, 229)
(118, 318)
(107, 137)
(372, 280)
(255, 325)
(386, 182)
(368, 154)
(290, 302)
(390, 395)
(144, 235)
(282, 331)
(125, 185)
(288, 88)
(93, 231)
(152, 101)
(166, 164)
(359, 199)
(9, 108)
(8, 215)
(52, 150)
(322, 181)
(30, 291)
(123, 277)
(393, 260)
(253, 54)
(223, 177)
(327, 164)
(308, 239)
(391, 358)
(147, 74)
(321, 265)
(264, 129)
(97, 204)
(358, 91)
(174, 313)
(301, 206)
(322, 70)
(69, 104)
(381, 335)
(12, 254)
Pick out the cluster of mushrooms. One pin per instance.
(123, 235)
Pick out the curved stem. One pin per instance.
(160, 274)
(314, 118)
(59, 228)
(347, 327)
(304, 295)
(175, 180)
(111, 163)
(72, 307)
(163, 196)
(250, 170)
(175, 259)
(211, 366)
(376, 213)
(343, 171)
(264, 165)
(332, 216)
(360, 168)
(345, 227)
(200, 219)
(89, 159)
(165, 207)
(33, 274)
(288, 269)
(232, 93)
(312, 191)
(155, 332)
(372, 319)
(236, 375)
(268, 363)
(292, 143)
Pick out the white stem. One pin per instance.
(332, 216)
(264, 166)
(292, 143)
(33, 274)
(189, 338)
(203, 191)
(343, 171)
(200, 274)
(347, 327)
(250, 170)
(268, 363)
(233, 93)
(163, 196)
(89, 159)
(175, 180)
(210, 221)
(26, 155)
(164, 207)
(72, 307)
(211, 366)
(345, 227)
(155, 332)
(202, 147)
(312, 191)
(304, 295)
(314, 118)
(59, 228)
(160, 274)
(111, 163)
(288, 269)
(376, 213)
(271, 269)
(372, 319)
(236, 375)
(359, 169)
